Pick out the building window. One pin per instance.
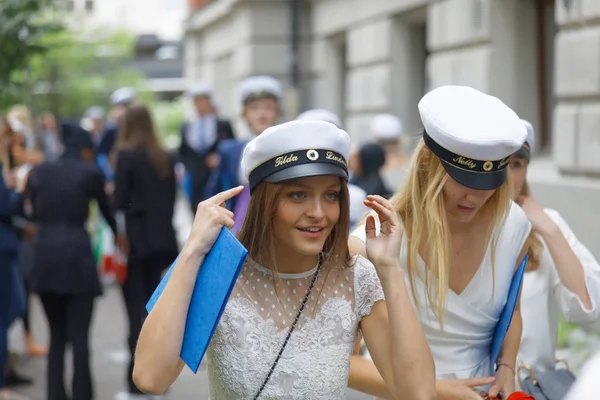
(89, 5)
(70, 5)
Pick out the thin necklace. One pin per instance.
(287, 338)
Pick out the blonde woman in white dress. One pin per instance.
(562, 278)
(463, 239)
(289, 327)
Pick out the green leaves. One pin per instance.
(23, 24)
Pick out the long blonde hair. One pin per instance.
(533, 242)
(420, 205)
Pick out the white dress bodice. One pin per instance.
(544, 297)
(462, 349)
(257, 318)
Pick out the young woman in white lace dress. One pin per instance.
(299, 290)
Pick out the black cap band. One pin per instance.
(293, 159)
(464, 163)
(524, 151)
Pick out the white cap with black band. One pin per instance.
(529, 145)
(296, 149)
(472, 133)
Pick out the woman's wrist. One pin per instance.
(501, 364)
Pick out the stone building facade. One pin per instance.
(362, 57)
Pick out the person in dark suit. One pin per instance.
(200, 139)
(64, 272)
(145, 190)
(260, 97)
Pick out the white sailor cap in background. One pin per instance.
(94, 112)
(296, 149)
(260, 87)
(385, 127)
(527, 148)
(320, 114)
(200, 89)
(122, 95)
(473, 134)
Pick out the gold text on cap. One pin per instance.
(331, 156)
(279, 161)
(467, 162)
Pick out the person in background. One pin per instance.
(145, 190)
(357, 195)
(387, 131)
(21, 120)
(10, 206)
(366, 167)
(261, 98)
(49, 137)
(562, 278)
(21, 162)
(93, 123)
(104, 143)
(64, 272)
(200, 139)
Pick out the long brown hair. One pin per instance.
(137, 131)
(258, 236)
(420, 205)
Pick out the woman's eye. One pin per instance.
(516, 164)
(297, 196)
(332, 195)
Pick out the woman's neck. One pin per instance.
(288, 262)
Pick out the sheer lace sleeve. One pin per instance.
(367, 288)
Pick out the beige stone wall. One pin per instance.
(363, 57)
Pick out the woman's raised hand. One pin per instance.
(383, 249)
(211, 217)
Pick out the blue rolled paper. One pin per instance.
(509, 309)
(214, 283)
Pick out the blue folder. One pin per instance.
(215, 281)
(507, 313)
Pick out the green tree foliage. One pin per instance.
(23, 23)
(81, 71)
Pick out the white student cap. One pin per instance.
(319, 114)
(260, 87)
(200, 89)
(95, 112)
(529, 145)
(385, 127)
(473, 134)
(296, 149)
(122, 95)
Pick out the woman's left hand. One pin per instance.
(383, 249)
(504, 384)
(540, 221)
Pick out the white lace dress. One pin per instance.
(257, 318)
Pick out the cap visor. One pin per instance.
(305, 171)
(476, 180)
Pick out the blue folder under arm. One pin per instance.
(507, 314)
(214, 283)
